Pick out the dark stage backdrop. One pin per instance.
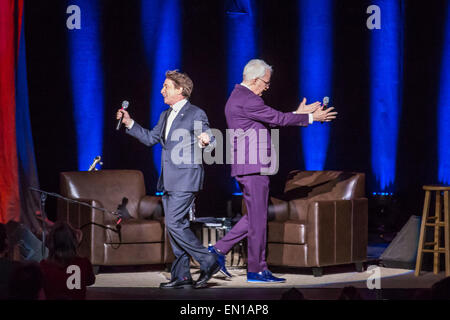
(203, 56)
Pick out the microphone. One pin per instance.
(325, 102)
(96, 160)
(122, 210)
(125, 104)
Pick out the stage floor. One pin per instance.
(394, 284)
(142, 283)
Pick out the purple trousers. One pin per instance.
(253, 225)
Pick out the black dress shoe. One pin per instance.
(206, 275)
(177, 284)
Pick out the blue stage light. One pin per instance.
(241, 44)
(315, 74)
(87, 82)
(386, 84)
(241, 38)
(161, 31)
(443, 114)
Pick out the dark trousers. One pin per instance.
(183, 241)
(253, 225)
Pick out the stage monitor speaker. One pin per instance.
(402, 251)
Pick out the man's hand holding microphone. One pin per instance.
(319, 112)
(126, 119)
(123, 116)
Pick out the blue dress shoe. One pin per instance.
(263, 277)
(221, 260)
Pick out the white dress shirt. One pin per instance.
(175, 109)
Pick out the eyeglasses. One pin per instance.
(266, 82)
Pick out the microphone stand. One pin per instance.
(44, 217)
(44, 195)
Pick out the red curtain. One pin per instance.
(10, 22)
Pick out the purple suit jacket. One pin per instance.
(249, 120)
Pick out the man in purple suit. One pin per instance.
(248, 116)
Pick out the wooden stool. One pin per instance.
(437, 221)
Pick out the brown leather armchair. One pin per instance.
(321, 220)
(142, 239)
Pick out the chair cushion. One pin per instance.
(136, 231)
(290, 231)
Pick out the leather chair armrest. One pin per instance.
(337, 231)
(150, 207)
(90, 221)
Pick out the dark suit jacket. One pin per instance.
(181, 158)
(247, 111)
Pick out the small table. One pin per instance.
(210, 230)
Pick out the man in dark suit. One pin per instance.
(183, 130)
(249, 118)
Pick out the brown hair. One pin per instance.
(181, 80)
(62, 243)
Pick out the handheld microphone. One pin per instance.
(325, 102)
(125, 104)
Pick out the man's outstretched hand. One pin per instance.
(324, 115)
(307, 108)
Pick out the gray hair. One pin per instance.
(255, 68)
